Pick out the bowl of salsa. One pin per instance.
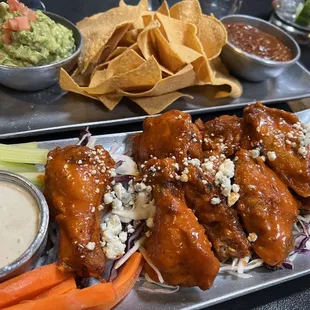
(34, 45)
(257, 50)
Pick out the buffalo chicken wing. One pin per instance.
(177, 245)
(267, 208)
(283, 140)
(76, 178)
(220, 221)
(174, 135)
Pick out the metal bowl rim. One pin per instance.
(59, 63)
(43, 223)
(259, 59)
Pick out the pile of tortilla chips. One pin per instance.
(149, 56)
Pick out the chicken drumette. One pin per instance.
(267, 208)
(76, 178)
(284, 141)
(177, 245)
(170, 134)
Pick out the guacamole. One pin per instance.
(44, 43)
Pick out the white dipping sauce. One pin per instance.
(19, 222)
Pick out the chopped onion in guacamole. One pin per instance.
(29, 38)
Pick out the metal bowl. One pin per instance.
(251, 67)
(40, 77)
(27, 260)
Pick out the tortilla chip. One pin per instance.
(135, 47)
(130, 37)
(119, 50)
(142, 78)
(127, 61)
(165, 55)
(203, 70)
(154, 105)
(79, 78)
(147, 19)
(165, 70)
(111, 44)
(188, 11)
(179, 32)
(67, 83)
(222, 77)
(164, 9)
(186, 77)
(149, 56)
(110, 100)
(212, 35)
(97, 31)
(143, 5)
(144, 41)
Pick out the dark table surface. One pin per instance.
(290, 295)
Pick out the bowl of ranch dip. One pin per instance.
(24, 222)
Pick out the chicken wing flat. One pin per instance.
(223, 135)
(284, 142)
(177, 245)
(267, 208)
(170, 134)
(220, 221)
(76, 178)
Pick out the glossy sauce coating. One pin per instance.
(174, 134)
(267, 208)
(223, 135)
(76, 178)
(171, 134)
(275, 131)
(220, 221)
(257, 42)
(177, 245)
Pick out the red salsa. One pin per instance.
(258, 43)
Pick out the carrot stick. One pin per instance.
(62, 288)
(125, 280)
(102, 296)
(30, 284)
(99, 294)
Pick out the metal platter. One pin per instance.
(52, 110)
(225, 286)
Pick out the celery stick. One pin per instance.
(37, 178)
(15, 154)
(17, 167)
(29, 145)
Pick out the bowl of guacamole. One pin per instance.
(34, 45)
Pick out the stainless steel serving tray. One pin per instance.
(225, 287)
(51, 110)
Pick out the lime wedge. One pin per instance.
(303, 18)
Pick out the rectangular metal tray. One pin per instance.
(224, 288)
(51, 110)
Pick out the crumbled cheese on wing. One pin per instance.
(90, 246)
(252, 237)
(235, 188)
(271, 156)
(150, 222)
(255, 153)
(232, 199)
(184, 178)
(215, 200)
